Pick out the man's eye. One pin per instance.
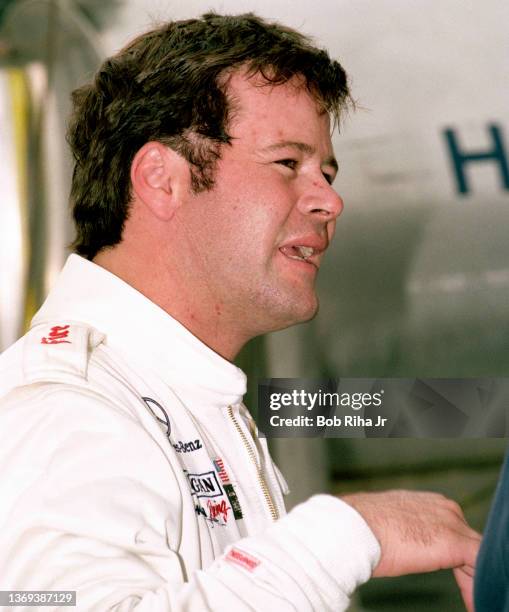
(328, 177)
(289, 163)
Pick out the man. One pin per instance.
(132, 473)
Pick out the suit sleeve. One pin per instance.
(86, 504)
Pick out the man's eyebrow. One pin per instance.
(304, 148)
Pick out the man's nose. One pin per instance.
(321, 201)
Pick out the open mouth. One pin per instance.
(300, 253)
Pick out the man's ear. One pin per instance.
(160, 178)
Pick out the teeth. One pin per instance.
(301, 253)
(305, 251)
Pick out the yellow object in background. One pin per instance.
(14, 211)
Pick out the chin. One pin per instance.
(279, 309)
(294, 316)
(310, 314)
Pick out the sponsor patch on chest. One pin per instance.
(205, 484)
(187, 447)
(239, 557)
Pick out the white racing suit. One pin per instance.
(131, 472)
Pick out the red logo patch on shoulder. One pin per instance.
(57, 335)
(243, 559)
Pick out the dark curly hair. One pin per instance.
(170, 85)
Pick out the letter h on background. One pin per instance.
(461, 158)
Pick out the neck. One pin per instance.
(186, 299)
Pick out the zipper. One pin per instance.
(261, 479)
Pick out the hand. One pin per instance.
(420, 532)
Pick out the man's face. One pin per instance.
(256, 239)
